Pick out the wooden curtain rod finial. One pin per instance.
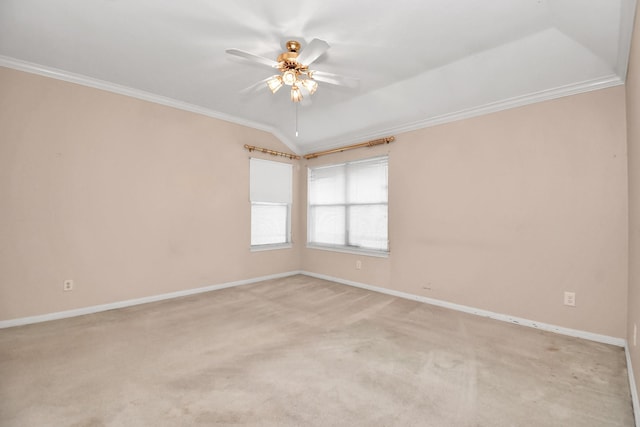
(272, 152)
(351, 147)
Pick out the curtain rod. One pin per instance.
(351, 147)
(272, 152)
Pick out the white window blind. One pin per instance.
(271, 196)
(348, 205)
(270, 181)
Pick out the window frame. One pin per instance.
(288, 235)
(281, 245)
(347, 248)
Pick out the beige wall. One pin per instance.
(126, 197)
(502, 212)
(507, 211)
(633, 134)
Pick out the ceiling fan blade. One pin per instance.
(313, 51)
(256, 87)
(253, 57)
(335, 79)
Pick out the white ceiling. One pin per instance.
(419, 63)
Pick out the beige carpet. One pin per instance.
(304, 352)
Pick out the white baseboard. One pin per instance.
(620, 342)
(632, 385)
(458, 307)
(484, 313)
(137, 301)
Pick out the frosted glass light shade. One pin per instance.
(275, 83)
(296, 95)
(310, 85)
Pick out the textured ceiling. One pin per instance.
(418, 63)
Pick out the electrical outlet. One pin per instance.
(67, 285)
(570, 299)
(358, 265)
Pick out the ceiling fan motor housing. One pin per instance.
(293, 46)
(288, 60)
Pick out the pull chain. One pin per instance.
(296, 119)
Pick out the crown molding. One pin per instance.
(627, 18)
(520, 101)
(492, 107)
(54, 73)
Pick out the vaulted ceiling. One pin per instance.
(418, 63)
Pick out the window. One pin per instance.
(270, 193)
(347, 206)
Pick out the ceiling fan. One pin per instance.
(294, 69)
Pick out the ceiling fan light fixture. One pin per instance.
(310, 85)
(289, 77)
(296, 95)
(293, 66)
(275, 83)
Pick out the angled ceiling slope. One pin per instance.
(418, 63)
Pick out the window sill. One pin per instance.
(262, 248)
(346, 250)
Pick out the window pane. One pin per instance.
(268, 224)
(367, 182)
(368, 227)
(347, 205)
(327, 185)
(326, 225)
